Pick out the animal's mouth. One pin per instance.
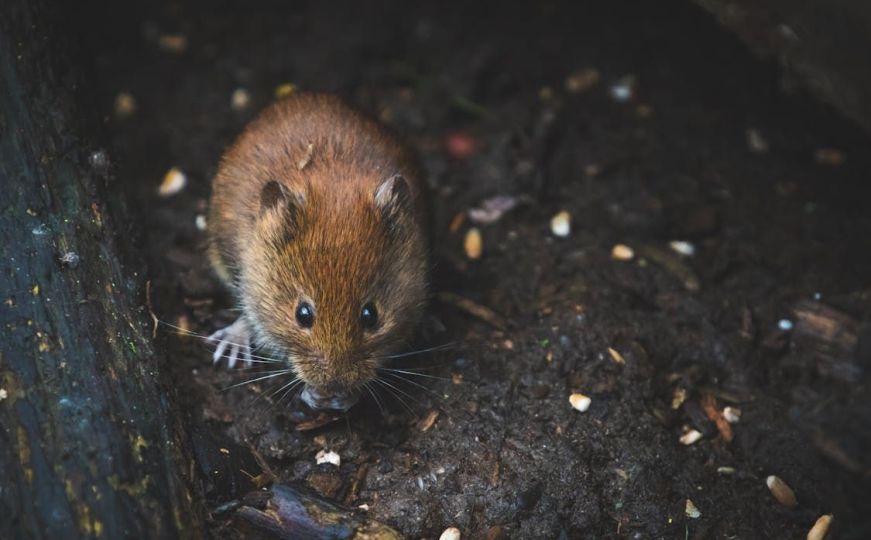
(318, 400)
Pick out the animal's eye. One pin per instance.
(305, 315)
(369, 316)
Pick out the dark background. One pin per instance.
(507, 453)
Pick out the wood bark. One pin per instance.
(90, 445)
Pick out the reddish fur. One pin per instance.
(335, 250)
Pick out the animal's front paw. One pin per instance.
(232, 340)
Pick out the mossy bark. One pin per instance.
(90, 445)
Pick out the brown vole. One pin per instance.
(317, 225)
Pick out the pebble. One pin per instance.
(561, 224)
(451, 533)
(622, 252)
(687, 249)
(691, 510)
(473, 244)
(328, 456)
(580, 402)
(692, 436)
(240, 99)
(732, 415)
(785, 325)
(173, 181)
(821, 527)
(781, 491)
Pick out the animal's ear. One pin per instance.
(276, 195)
(393, 198)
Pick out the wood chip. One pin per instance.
(709, 404)
(821, 528)
(473, 244)
(428, 421)
(781, 491)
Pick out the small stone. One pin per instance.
(781, 491)
(173, 181)
(451, 533)
(561, 224)
(201, 222)
(756, 142)
(328, 456)
(732, 414)
(691, 436)
(580, 402)
(125, 105)
(785, 325)
(3, 394)
(622, 252)
(691, 511)
(581, 81)
(821, 528)
(687, 249)
(473, 244)
(240, 99)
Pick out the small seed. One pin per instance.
(616, 356)
(561, 224)
(240, 99)
(821, 527)
(726, 470)
(3, 394)
(690, 437)
(473, 244)
(781, 491)
(756, 142)
(201, 222)
(677, 399)
(622, 252)
(691, 510)
(451, 533)
(580, 402)
(325, 456)
(732, 415)
(173, 181)
(428, 421)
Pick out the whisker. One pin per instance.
(412, 373)
(422, 387)
(388, 386)
(419, 351)
(243, 383)
(375, 398)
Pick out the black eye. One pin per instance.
(369, 316)
(305, 315)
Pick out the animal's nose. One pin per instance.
(341, 400)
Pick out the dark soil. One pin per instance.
(507, 454)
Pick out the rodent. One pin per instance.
(318, 225)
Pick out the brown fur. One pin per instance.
(328, 242)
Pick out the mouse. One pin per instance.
(318, 226)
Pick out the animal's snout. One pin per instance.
(333, 398)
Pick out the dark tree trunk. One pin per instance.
(89, 444)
